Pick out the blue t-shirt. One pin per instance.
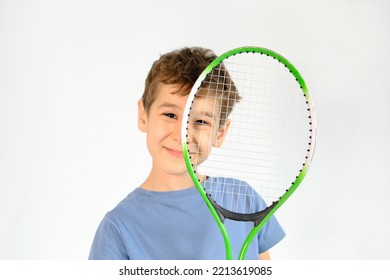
(173, 225)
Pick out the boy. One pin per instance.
(166, 218)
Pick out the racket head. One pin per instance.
(248, 134)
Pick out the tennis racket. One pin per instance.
(248, 130)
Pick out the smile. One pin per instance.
(175, 153)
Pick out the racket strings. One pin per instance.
(268, 132)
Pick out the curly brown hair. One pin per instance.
(182, 67)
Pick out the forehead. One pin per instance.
(168, 94)
(206, 103)
(208, 107)
(168, 98)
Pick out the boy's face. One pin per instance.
(163, 127)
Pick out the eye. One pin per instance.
(201, 122)
(170, 115)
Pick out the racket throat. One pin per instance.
(256, 217)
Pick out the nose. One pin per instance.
(176, 132)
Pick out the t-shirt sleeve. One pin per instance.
(271, 234)
(108, 243)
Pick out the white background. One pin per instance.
(72, 71)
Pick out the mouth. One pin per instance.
(174, 152)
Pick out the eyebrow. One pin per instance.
(206, 113)
(169, 105)
(211, 115)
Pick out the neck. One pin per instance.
(167, 182)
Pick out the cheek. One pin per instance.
(205, 142)
(155, 134)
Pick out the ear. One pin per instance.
(142, 116)
(221, 134)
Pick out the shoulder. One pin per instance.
(121, 211)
